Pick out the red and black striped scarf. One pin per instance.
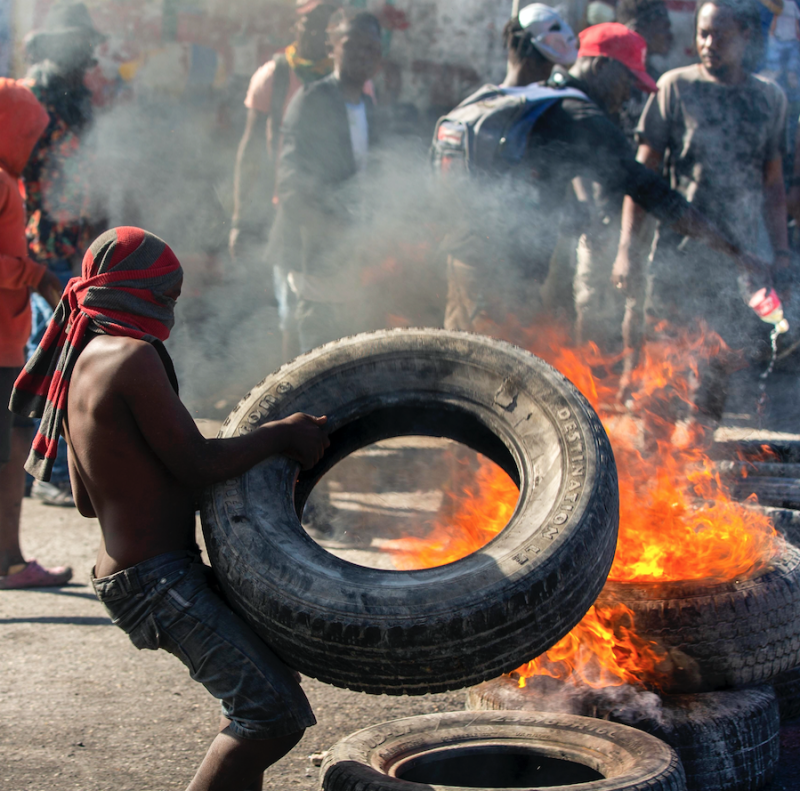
(121, 292)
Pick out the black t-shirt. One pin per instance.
(516, 216)
(577, 138)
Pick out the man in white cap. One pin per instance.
(537, 40)
(513, 221)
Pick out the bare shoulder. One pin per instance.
(118, 358)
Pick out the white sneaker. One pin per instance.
(51, 494)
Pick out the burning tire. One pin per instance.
(720, 634)
(413, 632)
(727, 741)
(500, 750)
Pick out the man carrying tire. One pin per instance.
(102, 375)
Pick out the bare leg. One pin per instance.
(12, 489)
(236, 764)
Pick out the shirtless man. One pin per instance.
(137, 462)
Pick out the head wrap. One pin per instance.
(121, 292)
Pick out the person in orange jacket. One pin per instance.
(23, 120)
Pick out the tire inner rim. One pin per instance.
(492, 766)
(437, 419)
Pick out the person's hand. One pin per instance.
(621, 271)
(305, 438)
(50, 288)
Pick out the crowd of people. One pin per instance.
(564, 160)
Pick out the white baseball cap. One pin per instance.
(549, 33)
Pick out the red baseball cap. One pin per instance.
(613, 40)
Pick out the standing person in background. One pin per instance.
(782, 62)
(22, 120)
(327, 135)
(768, 10)
(56, 178)
(488, 256)
(599, 307)
(271, 89)
(650, 19)
(537, 40)
(722, 132)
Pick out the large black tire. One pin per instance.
(720, 634)
(449, 751)
(413, 632)
(727, 741)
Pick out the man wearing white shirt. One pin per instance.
(327, 135)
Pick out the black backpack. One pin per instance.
(488, 132)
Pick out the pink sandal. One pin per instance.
(36, 576)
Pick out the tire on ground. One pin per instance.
(412, 632)
(727, 741)
(721, 634)
(457, 749)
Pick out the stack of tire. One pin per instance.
(444, 628)
(770, 469)
(730, 645)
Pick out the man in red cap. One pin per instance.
(576, 137)
(722, 130)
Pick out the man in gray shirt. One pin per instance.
(720, 130)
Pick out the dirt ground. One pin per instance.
(80, 708)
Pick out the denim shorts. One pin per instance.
(168, 602)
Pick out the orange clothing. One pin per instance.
(22, 121)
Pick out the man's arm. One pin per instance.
(249, 159)
(629, 264)
(775, 212)
(172, 435)
(689, 222)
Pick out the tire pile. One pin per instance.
(453, 626)
(776, 484)
(734, 648)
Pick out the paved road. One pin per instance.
(80, 708)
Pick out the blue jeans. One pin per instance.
(168, 602)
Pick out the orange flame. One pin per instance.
(481, 509)
(603, 650)
(677, 519)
